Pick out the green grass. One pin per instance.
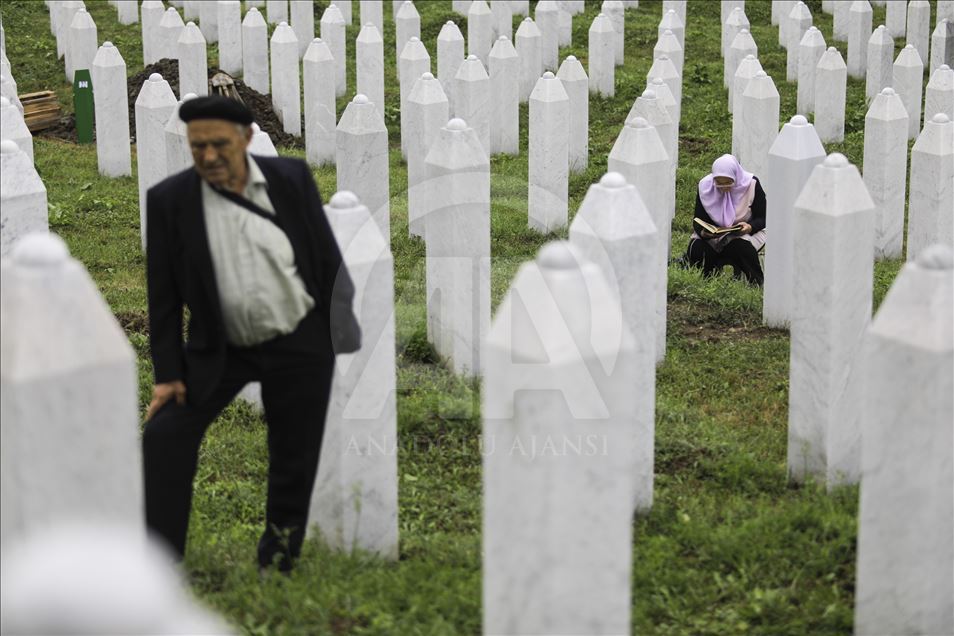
(729, 546)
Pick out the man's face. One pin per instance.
(218, 150)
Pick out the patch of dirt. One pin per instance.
(64, 130)
(694, 145)
(678, 458)
(134, 322)
(699, 323)
(260, 105)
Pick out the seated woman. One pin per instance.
(729, 197)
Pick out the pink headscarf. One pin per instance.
(721, 207)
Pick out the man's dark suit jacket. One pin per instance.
(180, 273)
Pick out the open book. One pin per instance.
(718, 231)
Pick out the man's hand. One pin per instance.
(164, 392)
(746, 228)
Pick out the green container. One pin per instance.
(83, 105)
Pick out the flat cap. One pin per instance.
(215, 107)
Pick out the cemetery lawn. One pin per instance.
(729, 547)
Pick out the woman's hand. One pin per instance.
(746, 228)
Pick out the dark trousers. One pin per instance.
(739, 254)
(295, 372)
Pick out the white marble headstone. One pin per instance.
(170, 28)
(302, 14)
(759, 120)
(480, 30)
(286, 82)
(14, 128)
(831, 78)
(831, 308)
(255, 59)
(362, 158)
(154, 106)
(546, 493)
(576, 84)
(230, 36)
(69, 397)
(885, 169)
(601, 57)
(614, 230)
(355, 499)
(333, 32)
(931, 199)
(879, 63)
(640, 156)
(939, 94)
(369, 64)
(23, 203)
(472, 98)
(942, 45)
(529, 45)
(791, 160)
(193, 61)
(549, 155)
(450, 55)
(414, 62)
(859, 32)
(318, 73)
(919, 27)
(547, 16)
(908, 74)
(905, 574)
(427, 112)
(112, 112)
(505, 105)
(457, 235)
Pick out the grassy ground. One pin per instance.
(729, 547)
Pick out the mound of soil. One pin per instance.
(260, 105)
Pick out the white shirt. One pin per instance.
(262, 295)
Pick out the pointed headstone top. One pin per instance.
(456, 124)
(360, 99)
(192, 34)
(40, 250)
(253, 18)
(613, 179)
(344, 200)
(332, 15)
(558, 255)
(936, 257)
(369, 33)
(798, 120)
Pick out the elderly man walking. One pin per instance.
(243, 242)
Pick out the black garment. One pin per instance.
(295, 369)
(296, 382)
(740, 254)
(179, 272)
